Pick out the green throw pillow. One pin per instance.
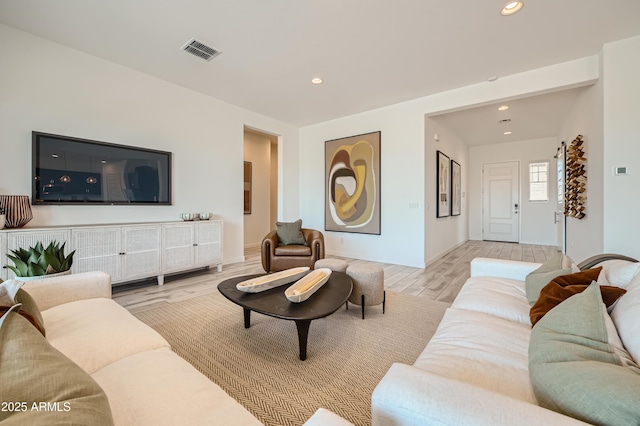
(289, 233)
(44, 386)
(553, 263)
(573, 369)
(536, 280)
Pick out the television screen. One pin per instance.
(69, 170)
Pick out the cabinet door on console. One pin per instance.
(98, 249)
(26, 239)
(141, 248)
(179, 247)
(208, 243)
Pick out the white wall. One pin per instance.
(536, 217)
(48, 87)
(405, 239)
(443, 234)
(257, 150)
(402, 183)
(585, 236)
(621, 63)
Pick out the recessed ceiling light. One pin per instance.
(507, 133)
(316, 80)
(511, 8)
(503, 108)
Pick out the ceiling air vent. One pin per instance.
(503, 121)
(200, 50)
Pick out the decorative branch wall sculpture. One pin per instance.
(575, 197)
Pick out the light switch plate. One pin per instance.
(621, 170)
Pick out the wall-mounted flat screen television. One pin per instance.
(68, 170)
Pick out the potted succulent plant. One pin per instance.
(40, 262)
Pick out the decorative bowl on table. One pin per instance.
(305, 287)
(187, 216)
(265, 282)
(205, 216)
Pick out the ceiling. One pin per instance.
(370, 53)
(534, 117)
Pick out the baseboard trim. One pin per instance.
(433, 260)
(402, 262)
(233, 260)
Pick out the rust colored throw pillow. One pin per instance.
(583, 277)
(565, 286)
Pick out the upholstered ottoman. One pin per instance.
(368, 286)
(336, 265)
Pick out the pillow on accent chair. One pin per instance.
(34, 373)
(573, 368)
(289, 233)
(564, 286)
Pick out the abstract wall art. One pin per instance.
(443, 179)
(456, 189)
(352, 179)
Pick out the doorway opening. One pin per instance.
(260, 197)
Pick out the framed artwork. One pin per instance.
(444, 176)
(352, 184)
(247, 187)
(456, 189)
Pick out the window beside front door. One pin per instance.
(539, 181)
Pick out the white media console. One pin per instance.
(127, 252)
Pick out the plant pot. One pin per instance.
(40, 277)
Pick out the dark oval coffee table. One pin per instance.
(333, 294)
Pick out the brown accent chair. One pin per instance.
(276, 257)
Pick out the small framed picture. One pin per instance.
(443, 179)
(456, 189)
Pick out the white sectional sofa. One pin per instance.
(145, 382)
(475, 369)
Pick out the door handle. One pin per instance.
(515, 206)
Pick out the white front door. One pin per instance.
(500, 201)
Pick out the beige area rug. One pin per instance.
(259, 366)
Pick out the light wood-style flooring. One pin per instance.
(441, 280)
